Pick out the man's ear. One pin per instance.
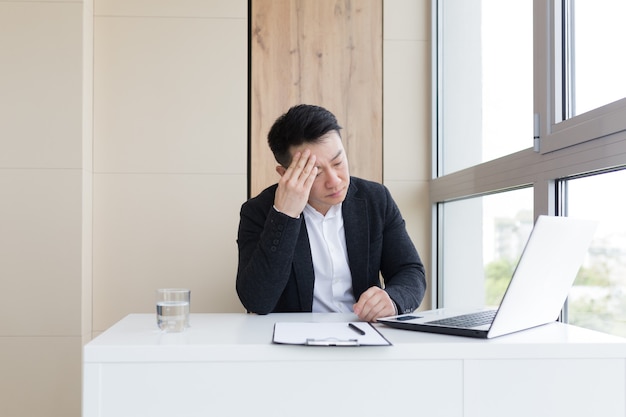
(281, 170)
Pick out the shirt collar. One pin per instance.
(332, 211)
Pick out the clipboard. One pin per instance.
(328, 334)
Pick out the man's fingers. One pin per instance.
(374, 310)
(300, 168)
(292, 169)
(295, 184)
(305, 167)
(372, 304)
(308, 182)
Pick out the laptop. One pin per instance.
(536, 293)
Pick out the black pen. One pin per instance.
(356, 329)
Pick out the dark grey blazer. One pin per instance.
(275, 272)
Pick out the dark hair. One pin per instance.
(302, 123)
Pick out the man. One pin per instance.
(319, 240)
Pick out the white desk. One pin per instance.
(226, 365)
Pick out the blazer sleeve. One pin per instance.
(266, 241)
(401, 267)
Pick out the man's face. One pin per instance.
(333, 175)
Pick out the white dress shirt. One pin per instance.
(332, 291)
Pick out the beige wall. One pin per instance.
(407, 117)
(170, 127)
(41, 210)
(123, 166)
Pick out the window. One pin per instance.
(598, 67)
(489, 183)
(579, 83)
(486, 81)
(483, 238)
(598, 298)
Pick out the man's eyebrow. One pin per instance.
(334, 157)
(338, 154)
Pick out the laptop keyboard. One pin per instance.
(479, 318)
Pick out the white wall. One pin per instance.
(123, 129)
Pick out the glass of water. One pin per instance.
(172, 309)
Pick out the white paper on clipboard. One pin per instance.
(328, 334)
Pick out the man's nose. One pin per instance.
(332, 179)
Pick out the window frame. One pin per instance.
(587, 143)
(553, 56)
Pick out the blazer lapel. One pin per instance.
(303, 269)
(356, 227)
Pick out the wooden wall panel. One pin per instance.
(323, 52)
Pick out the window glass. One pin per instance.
(483, 238)
(599, 63)
(598, 298)
(485, 81)
(479, 117)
